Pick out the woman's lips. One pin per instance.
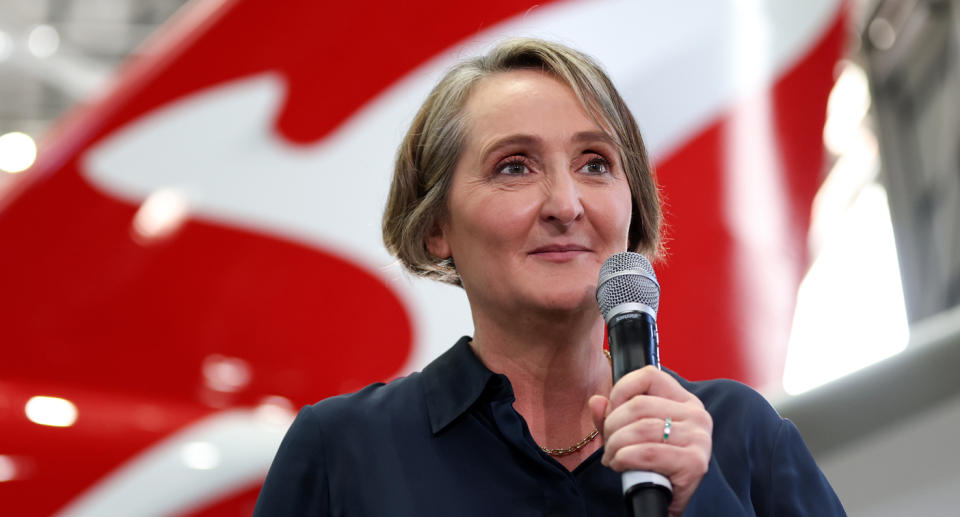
(559, 253)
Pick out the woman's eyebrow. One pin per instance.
(532, 140)
(594, 136)
(507, 141)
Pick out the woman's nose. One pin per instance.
(563, 204)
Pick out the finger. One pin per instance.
(645, 406)
(599, 409)
(685, 467)
(648, 381)
(680, 464)
(649, 430)
(655, 431)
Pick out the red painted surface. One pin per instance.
(712, 322)
(86, 310)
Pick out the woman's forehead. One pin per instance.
(523, 106)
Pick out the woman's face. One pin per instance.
(538, 199)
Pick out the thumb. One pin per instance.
(599, 409)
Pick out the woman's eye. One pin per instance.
(514, 168)
(597, 165)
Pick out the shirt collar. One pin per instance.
(453, 382)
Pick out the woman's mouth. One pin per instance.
(559, 252)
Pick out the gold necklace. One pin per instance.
(559, 453)
(566, 451)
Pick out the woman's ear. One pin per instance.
(437, 243)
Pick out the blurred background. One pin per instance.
(190, 196)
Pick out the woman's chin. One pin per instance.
(568, 300)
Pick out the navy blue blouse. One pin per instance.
(447, 442)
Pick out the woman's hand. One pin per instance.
(632, 423)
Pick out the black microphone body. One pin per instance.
(633, 344)
(629, 295)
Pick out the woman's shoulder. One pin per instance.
(342, 434)
(727, 395)
(344, 428)
(401, 404)
(737, 409)
(759, 453)
(371, 405)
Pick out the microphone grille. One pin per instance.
(627, 277)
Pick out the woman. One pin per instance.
(523, 171)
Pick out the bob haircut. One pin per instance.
(432, 146)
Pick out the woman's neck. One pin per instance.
(553, 368)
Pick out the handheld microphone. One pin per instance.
(629, 295)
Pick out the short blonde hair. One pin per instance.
(432, 146)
